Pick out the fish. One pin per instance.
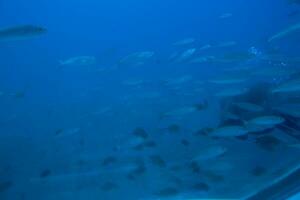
(137, 58)
(187, 54)
(268, 120)
(258, 171)
(45, 173)
(202, 59)
(268, 142)
(201, 186)
(178, 112)
(225, 15)
(109, 160)
(226, 44)
(230, 79)
(21, 32)
(109, 186)
(231, 92)
(140, 132)
(5, 185)
(209, 152)
(290, 86)
(79, 61)
(229, 131)
(167, 192)
(250, 107)
(157, 160)
(285, 32)
(290, 109)
(185, 41)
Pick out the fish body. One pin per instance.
(210, 152)
(290, 86)
(270, 120)
(185, 41)
(229, 131)
(79, 61)
(21, 32)
(285, 32)
(250, 107)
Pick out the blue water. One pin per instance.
(59, 124)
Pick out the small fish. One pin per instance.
(21, 32)
(137, 58)
(79, 61)
(158, 161)
(167, 192)
(210, 152)
(290, 86)
(285, 32)
(229, 131)
(269, 143)
(109, 160)
(140, 132)
(109, 186)
(5, 185)
(258, 171)
(185, 142)
(225, 15)
(45, 173)
(250, 107)
(185, 41)
(187, 54)
(174, 128)
(231, 92)
(232, 79)
(201, 186)
(270, 120)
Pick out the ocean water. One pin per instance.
(147, 100)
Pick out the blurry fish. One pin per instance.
(173, 128)
(230, 79)
(293, 13)
(185, 142)
(109, 186)
(109, 160)
(167, 192)
(79, 61)
(204, 47)
(137, 58)
(231, 92)
(229, 131)
(285, 32)
(158, 161)
(258, 171)
(68, 132)
(140, 132)
(17, 95)
(268, 120)
(226, 44)
(290, 86)
(289, 109)
(209, 152)
(250, 107)
(268, 142)
(201, 186)
(185, 41)
(225, 15)
(203, 59)
(21, 32)
(5, 185)
(179, 112)
(45, 173)
(187, 54)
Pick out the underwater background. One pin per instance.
(147, 100)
